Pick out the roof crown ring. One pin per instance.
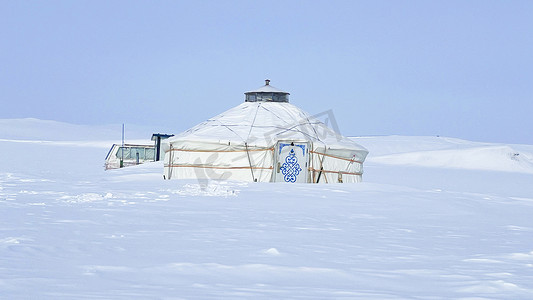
(267, 93)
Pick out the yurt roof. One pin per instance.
(267, 88)
(261, 124)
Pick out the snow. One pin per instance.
(435, 218)
(454, 153)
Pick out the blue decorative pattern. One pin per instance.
(303, 149)
(281, 145)
(291, 168)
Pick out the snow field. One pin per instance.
(414, 229)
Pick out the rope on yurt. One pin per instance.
(338, 172)
(319, 174)
(294, 127)
(313, 127)
(291, 127)
(220, 167)
(350, 163)
(228, 128)
(250, 162)
(170, 162)
(220, 151)
(300, 123)
(338, 157)
(311, 167)
(252, 125)
(246, 144)
(322, 167)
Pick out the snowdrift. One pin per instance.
(440, 152)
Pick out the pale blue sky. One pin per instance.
(451, 68)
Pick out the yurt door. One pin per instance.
(291, 162)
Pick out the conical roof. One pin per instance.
(261, 124)
(267, 88)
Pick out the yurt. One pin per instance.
(264, 139)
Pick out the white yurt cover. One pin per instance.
(264, 142)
